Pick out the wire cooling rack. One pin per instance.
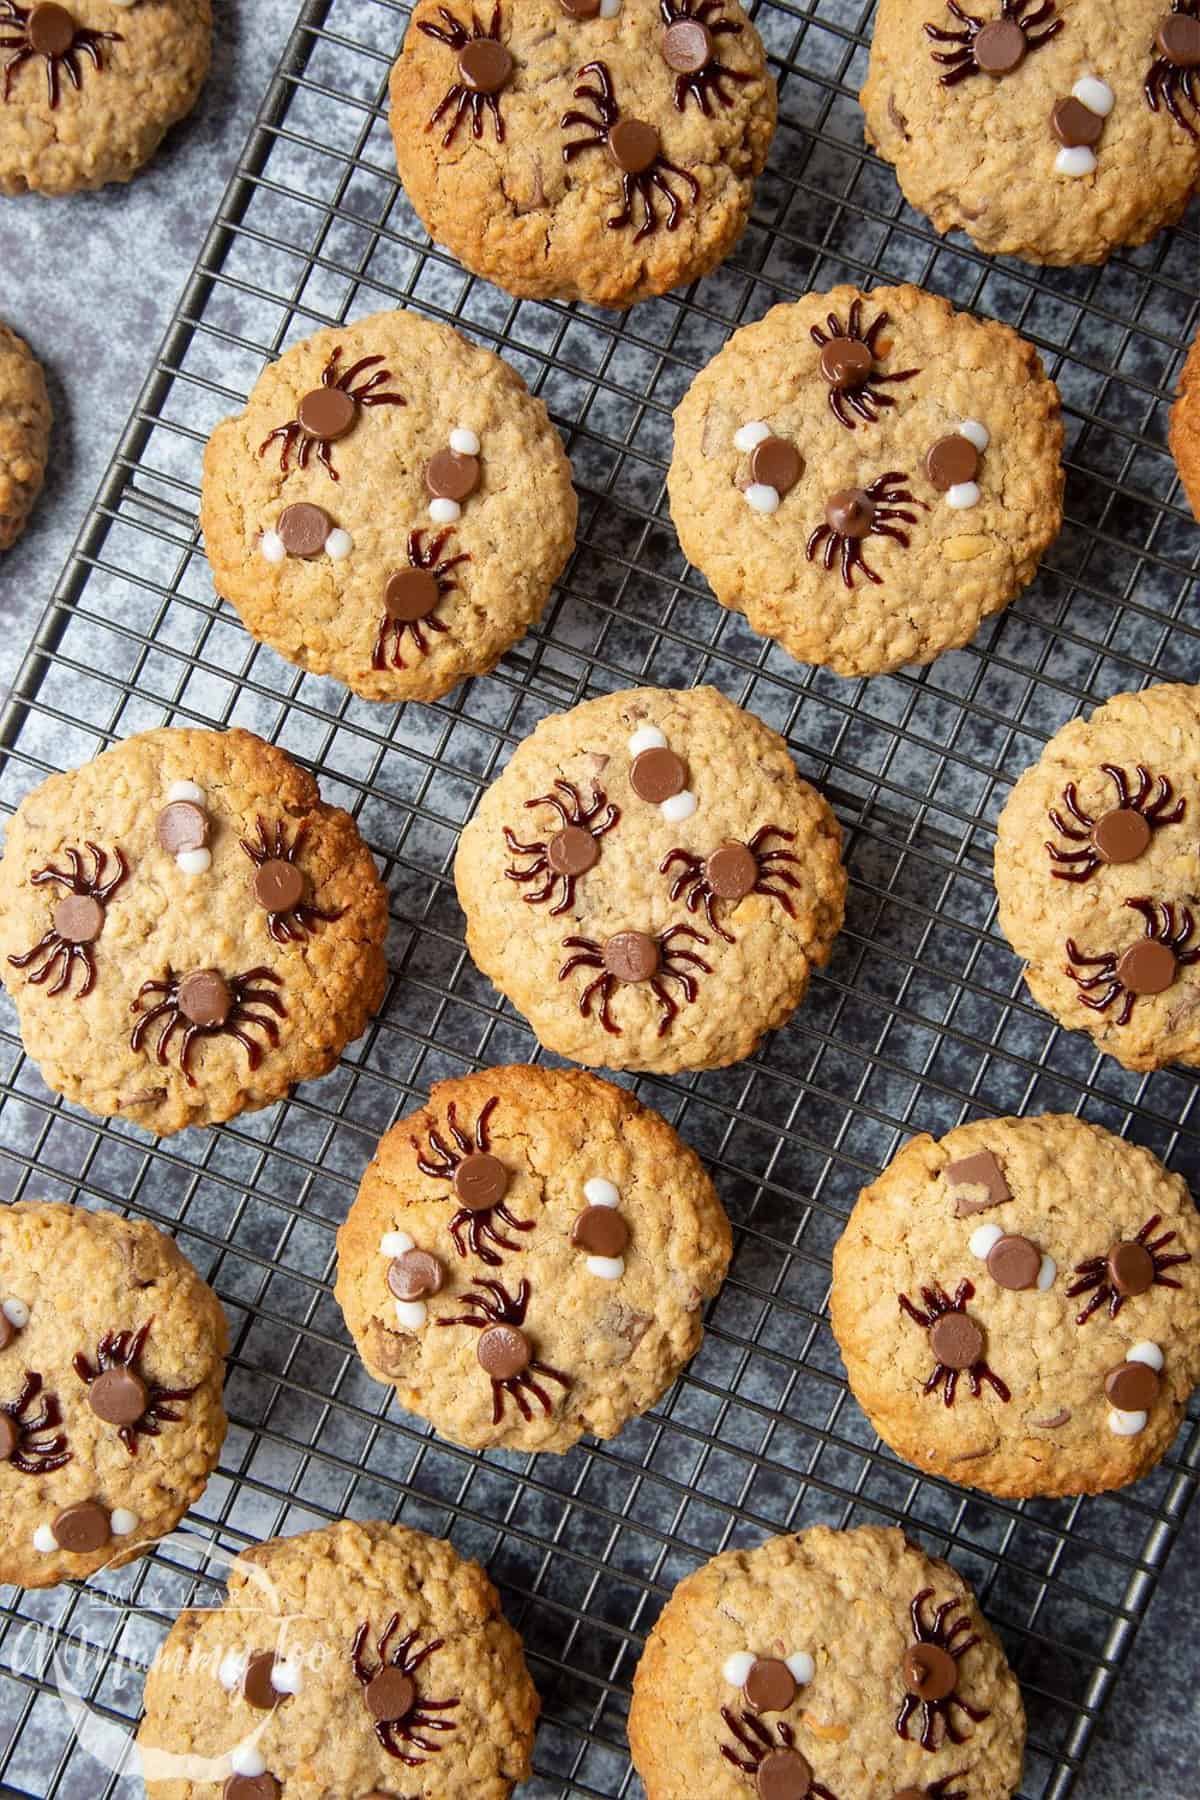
(919, 1022)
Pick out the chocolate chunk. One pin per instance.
(79, 919)
(1013, 1262)
(1130, 1268)
(480, 1181)
(182, 826)
(410, 594)
(776, 463)
(415, 1274)
(951, 461)
(631, 956)
(572, 851)
(251, 1787)
(390, 1694)
(1061, 1417)
(601, 1231)
(503, 1352)
(687, 46)
(485, 65)
(850, 512)
(257, 1690)
(451, 476)
(326, 414)
(1132, 1386)
(930, 1672)
(1121, 836)
(770, 1686)
(731, 871)
(580, 9)
(657, 775)
(10, 1436)
(783, 1775)
(278, 885)
(50, 30)
(1000, 47)
(980, 1171)
(845, 362)
(304, 529)
(1075, 125)
(204, 997)
(1178, 38)
(956, 1340)
(1147, 967)
(633, 145)
(118, 1396)
(82, 1528)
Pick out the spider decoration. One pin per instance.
(1130, 1267)
(930, 1671)
(689, 46)
(636, 149)
(279, 884)
(731, 872)
(400, 1712)
(956, 1340)
(853, 514)
(484, 67)
(634, 956)
(206, 1004)
(776, 1763)
(411, 595)
(121, 1395)
(993, 46)
(1172, 76)
(20, 1430)
(51, 33)
(77, 920)
(504, 1352)
(1149, 966)
(850, 364)
(570, 851)
(480, 1183)
(1119, 835)
(326, 413)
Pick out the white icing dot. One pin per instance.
(411, 1314)
(16, 1312)
(976, 434)
(1126, 1424)
(1146, 1352)
(395, 1243)
(646, 737)
(679, 806)
(762, 499)
(962, 495)
(982, 1239)
(1078, 160)
(1046, 1273)
(802, 1666)
(598, 1192)
(751, 435)
(232, 1668)
(195, 862)
(444, 512)
(464, 442)
(1095, 94)
(286, 1677)
(737, 1667)
(45, 1540)
(271, 545)
(121, 1521)
(608, 1268)
(609, 8)
(246, 1760)
(186, 790)
(339, 544)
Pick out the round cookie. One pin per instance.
(392, 508)
(1185, 427)
(826, 1666)
(1097, 869)
(583, 151)
(868, 477)
(186, 930)
(528, 1258)
(24, 433)
(364, 1660)
(650, 882)
(91, 89)
(1046, 129)
(1017, 1306)
(111, 1369)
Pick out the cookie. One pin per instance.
(89, 91)
(186, 930)
(650, 882)
(392, 508)
(24, 433)
(1017, 1306)
(1042, 128)
(528, 1258)
(1097, 869)
(599, 150)
(1185, 427)
(826, 1666)
(111, 1369)
(868, 476)
(364, 1660)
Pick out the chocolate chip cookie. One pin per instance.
(24, 433)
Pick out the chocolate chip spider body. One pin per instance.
(931, 1673)
(731, 872)
(853, 514)
(956, 1340)
(119, 1393)
(50, 32)
(327, 413)
(1149, 966)
(993, 47)
(569, 852)
(279, 884)
(205, 1004)
(1173, 78)
(77, 920)
(23, 1441)
(634, 146)
(849, 362)
(690, 48)
(504, 1352)
(401, 1713)
(484, 67)
(1118, 835)
(772, 1760)
(632, 957)
(411, 595)
(480, 1182)
(1128, 1268)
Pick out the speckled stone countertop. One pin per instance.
(90, 282)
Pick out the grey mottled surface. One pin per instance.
(90, 282)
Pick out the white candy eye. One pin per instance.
(246, 1760)
(1078, 160)
(751, 435)
(195, 862)
(646, 737)
(802, 1666)
(608, 1268)
(983, 1239)
(231, 1670)
(122, 1521)
(464, 443)
(609, 8)
(339, 544)
(395, 1243)
(186, 790)
(1126, 1424)
(962, 495)
(1046, 1273)
(1095, 94)
(271, 546)
(411, 1314)
(679, 806)
(1148, 1353)
(16, 1312)
(598, 1192)
(286, 1677)
(738, 1666)
(762, 498)
(976, 434)
(444, 512)
(45, 1540)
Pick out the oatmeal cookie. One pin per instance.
(24, 433)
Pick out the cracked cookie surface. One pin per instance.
(1047, 1264)
(24, 433)
(603, 158)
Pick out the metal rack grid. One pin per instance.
(919, 1022)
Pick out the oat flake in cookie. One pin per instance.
(1185, 425)
(88, 90)
(650, 882)
(596, 151)
(1098, 872)
(111, 1369)
(392, 508)
(528, 1258)
(1017, 1306)
(24, 433)
(364, 1660)
(186, 929)
(825, 1666)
